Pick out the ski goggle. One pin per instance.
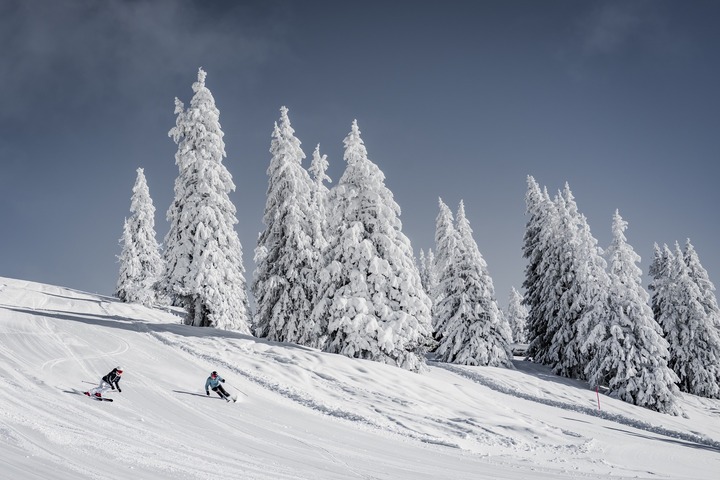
(213, 375)
(119, 372)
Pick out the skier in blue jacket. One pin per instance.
(214, 382)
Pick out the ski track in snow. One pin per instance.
(298, 397)
(394, 425)
(469, 430)
(614, 417)
(391, 423)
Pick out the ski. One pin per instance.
(100, 399)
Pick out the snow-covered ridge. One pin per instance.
(302, 413)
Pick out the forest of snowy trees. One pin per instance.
(334, 271)
(589, 316)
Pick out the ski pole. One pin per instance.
(229, 385)
(597, 392)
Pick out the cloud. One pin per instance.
(610, 27)
(615, 27)
(605, 36)
(90, 49)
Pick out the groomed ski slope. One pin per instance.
(305, 414)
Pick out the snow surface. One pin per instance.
(302, 414)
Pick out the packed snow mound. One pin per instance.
(301, 413)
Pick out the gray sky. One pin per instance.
(458, 99)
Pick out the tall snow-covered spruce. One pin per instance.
(474, 331)
(700, 276)
(288, 252)
(516, 315)
(659, 272)
(629, 354)
(447, 245)
(692, 334)
(578, 291)
(203, 256)
(428, 273)
(320, 193)
(537, 243)
(141, 265)
(371, 293)
(565, 280)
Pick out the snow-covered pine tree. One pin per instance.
(371, 291)
(557, 289)
(694, 340)
(629, 352)
(288, 252)
(141, 265)
(431, 274)
(537, 243)
(475, 331)
(422, 268)
(516, 315)
(565, 281)
(319, 222)
(126, 287)
(566, 290)
(561, 288)
(428, 277)
(586, 304)
(701, 278)
(447, 248)
(320, 192)
(204, 272)
(593, 275)
(659, 271)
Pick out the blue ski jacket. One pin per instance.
(213, 382)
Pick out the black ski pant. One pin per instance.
(221, 391)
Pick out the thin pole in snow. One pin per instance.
(238, 390)
(597, 392)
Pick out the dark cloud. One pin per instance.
(613, 27)
(93, 49)
(610, 27)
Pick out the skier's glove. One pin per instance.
(223, 380)
(207, 393)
